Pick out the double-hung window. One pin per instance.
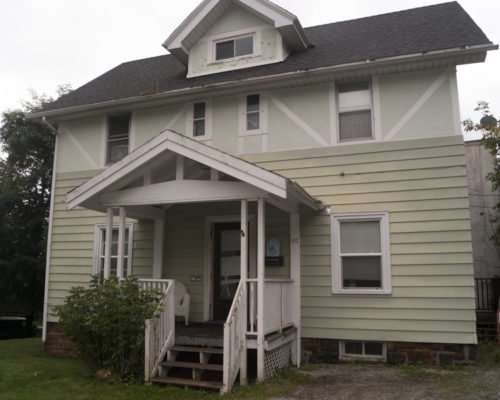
(253, 112)
(233, 48)
(355, 115)
(360, 253)
(118, 138)
(100, 246)
(199, 119)
(198, 122)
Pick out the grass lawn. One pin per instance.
(27, 374)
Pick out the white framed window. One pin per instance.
(357, 349)
(118, 131)
(100, 245)
(354, 102)
(232, 48)
(253, 114)
(361, 253)
(199, 120)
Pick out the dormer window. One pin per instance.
(233, 48)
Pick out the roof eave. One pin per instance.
(456, 56)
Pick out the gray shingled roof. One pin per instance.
(438, 27)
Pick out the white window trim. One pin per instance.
(255, 32)
(242, 120)
(106, 135)
(373, 83)
(98, 230)
(335, 220)
(208, 121)
(367, 357)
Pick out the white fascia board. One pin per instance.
(171, 141)
(228, 164)
(181, 192)
(404, 63)
(296, 191)
(174, 41)
(269, 12)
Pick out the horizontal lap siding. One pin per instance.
(422, 183)
(72, 248)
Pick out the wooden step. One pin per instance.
(193, 365)
(188, 382)
(207, 350)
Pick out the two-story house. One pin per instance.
(306, 185)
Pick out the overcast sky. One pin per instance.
(47, 43)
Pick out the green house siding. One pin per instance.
(422, 184)
(72, 247)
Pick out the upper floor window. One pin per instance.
(100, 246)
(253, 112)
(355, 116)
(360, 253)
(118, 138)
(199, 116)
(198, 122)
(233, 48)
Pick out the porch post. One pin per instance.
(261, 232)
(295, 276)
(121, 243)
(158, 247)
(107, 243)
(244, 276)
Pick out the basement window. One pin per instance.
(354, 349)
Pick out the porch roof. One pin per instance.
(129, 182)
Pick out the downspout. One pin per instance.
(49, 231)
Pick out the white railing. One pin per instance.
(278, 313)
(160, 331)
(234, 339)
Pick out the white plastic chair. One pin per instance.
(182, 301)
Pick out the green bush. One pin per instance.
(106, 323)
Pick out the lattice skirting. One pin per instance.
(277, 358)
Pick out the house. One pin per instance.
(306, 185)
(486, 257)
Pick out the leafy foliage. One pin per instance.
(489, 127)
(25, 182)
(106, 323)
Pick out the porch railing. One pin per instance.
(234, 339)
(486, 295)
(278, 295)
(160, 331)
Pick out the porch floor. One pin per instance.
(208, 334)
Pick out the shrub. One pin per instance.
(106, 323)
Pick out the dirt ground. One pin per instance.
(354, 381)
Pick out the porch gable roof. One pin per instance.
(136, 163)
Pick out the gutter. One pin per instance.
(155, 99)
(50, 229)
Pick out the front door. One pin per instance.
(226, 262)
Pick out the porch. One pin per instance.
(176, 183)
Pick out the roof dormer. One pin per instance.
(222, 35)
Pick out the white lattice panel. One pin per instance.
(277, 358)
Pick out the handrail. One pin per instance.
(160, 330)
(234, 338)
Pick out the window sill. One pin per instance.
(353, 291)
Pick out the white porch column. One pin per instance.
(158, 248)
(121, 243)
(107, 243)
(295, 276)
(243, 277)
(261, 234)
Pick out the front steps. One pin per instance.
(486, 324)
(190, 366)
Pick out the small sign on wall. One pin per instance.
(273, 257)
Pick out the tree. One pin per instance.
(489, 127)
(25, 182)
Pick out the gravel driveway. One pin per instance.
(355, 381)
